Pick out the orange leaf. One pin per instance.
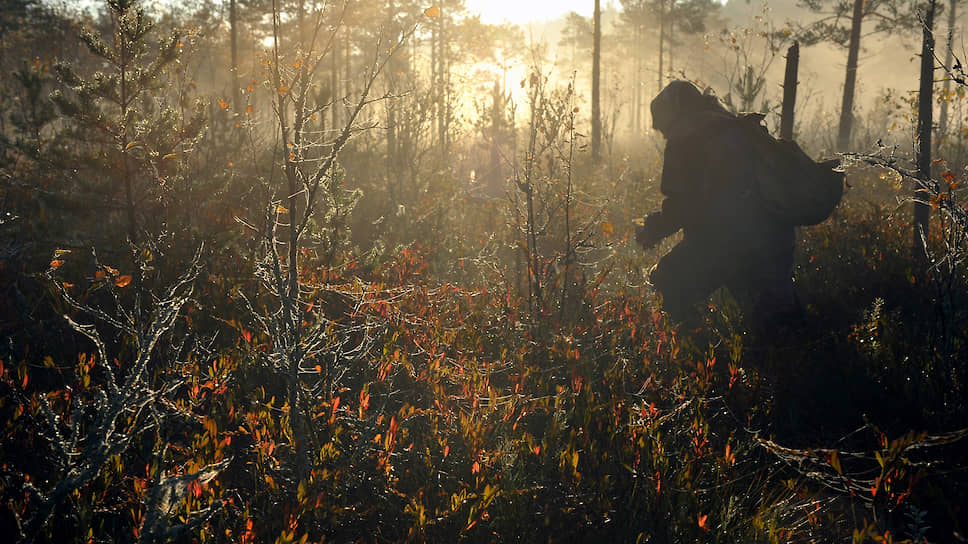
(223, 104)
(123, 281)
(56, 263)
(283, 89)
(249, 109)
(433, 12)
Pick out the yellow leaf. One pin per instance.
(170, 156)
(607, 228)
(132, 144)
(123, 281)
(835, 462)
(433, 12)
(110, 270)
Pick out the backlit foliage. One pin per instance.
(329, 305)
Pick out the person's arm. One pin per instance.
(680, 185)
(661, 224)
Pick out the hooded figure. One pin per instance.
(729, 239)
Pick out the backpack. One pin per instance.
(795, 189)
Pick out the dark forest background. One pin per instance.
(364, 271)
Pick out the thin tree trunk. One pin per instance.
(334, 85)
(434, 78)
(790, 91)
(925, 104)
(637, 82)
(661, 40)
(943, 115)
(391, 75)
(596, 84)
(442, 71)
(850, 81)
(348, 65)
(234, 43)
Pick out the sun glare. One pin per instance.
(518, 12)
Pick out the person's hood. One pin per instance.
(681, 109)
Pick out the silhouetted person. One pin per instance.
(729, 239)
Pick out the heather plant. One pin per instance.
(117, 398)
(339, 315)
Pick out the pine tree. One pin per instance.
(842, 24)
(127, 149)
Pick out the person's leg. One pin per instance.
(685, 277)
(764, 287)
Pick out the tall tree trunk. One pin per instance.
(637, 81)
(434, 78)
(661, 40)
(234, 45)
(790, 91)
(301, 23)
(943, 115)
(596, 84)
(334, 85)
(443, 76)
(391, 75)
(348, 64)
(850, 81)
(925, 107)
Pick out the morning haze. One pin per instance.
(399, 271)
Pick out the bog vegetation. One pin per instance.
(303, 272)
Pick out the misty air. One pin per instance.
(650, 271)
